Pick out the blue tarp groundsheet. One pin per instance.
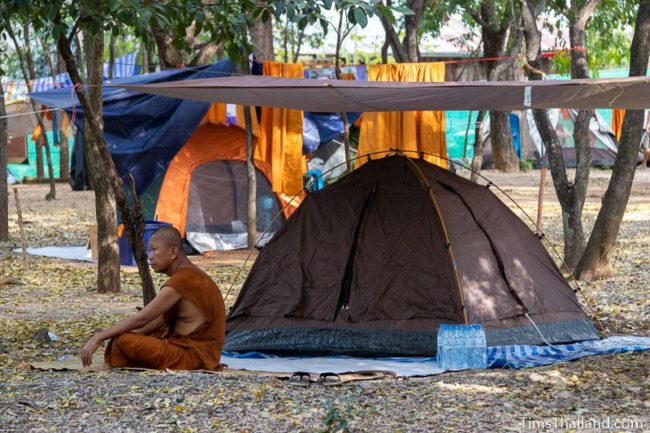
(498, 357)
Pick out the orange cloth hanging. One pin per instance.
(421, 131)
(618, 114)
(218, 112)
(280, 139)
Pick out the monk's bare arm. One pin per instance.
(155, 325)
(166, 298)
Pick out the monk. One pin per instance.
(182, 328)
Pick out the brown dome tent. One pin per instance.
(374, 263)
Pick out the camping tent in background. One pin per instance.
(205, 188)
(601, 136)
(370, 265)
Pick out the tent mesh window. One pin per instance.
(218, 199)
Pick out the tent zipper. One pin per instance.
(346, 284)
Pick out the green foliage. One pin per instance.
(613, 18)
(225, 22)
(526, 164)
(562, 63)
(610, 52)
(305, 12)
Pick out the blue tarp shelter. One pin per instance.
(144, 132)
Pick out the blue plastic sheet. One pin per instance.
(498, 357)
(319, 128)
(143, 132)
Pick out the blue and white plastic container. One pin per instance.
(461, 347)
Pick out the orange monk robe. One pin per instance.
(618, 114)
(199, 350)
(412, 131)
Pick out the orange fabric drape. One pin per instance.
(422, 131)
(280, 139)
(217, 114)
(617, 122)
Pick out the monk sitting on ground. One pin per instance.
(182, 328)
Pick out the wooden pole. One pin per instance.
(540, 198)
(22, 230)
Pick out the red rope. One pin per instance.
(546, 55)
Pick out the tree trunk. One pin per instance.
(4, 192)
(79, 54)
(477, 160)
(108, 258)
(570, 195)
(106, 169)
(344, 116)
(148, 63)
(296, 52)
(60, 65)
(411, 23)
(64, 169)
(384, 50)
(285, 41)
(252, 180)
(170, 56)
(262, 37)
(504, 157)
(64, 156)
(406, 51)
(28, 52)
(399, 52)
(111, 56)
(495, 36)
(204, 55)
(595, 262)
(40, 171)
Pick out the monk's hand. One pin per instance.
(88, 351)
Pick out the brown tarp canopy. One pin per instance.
(377, 96)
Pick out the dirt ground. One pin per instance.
(61, 296)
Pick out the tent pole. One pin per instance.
(540, 198)
(450, 249)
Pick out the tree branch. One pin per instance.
(73, 32)
(586, 12)
(479, 20)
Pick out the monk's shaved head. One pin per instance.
(170, 236)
